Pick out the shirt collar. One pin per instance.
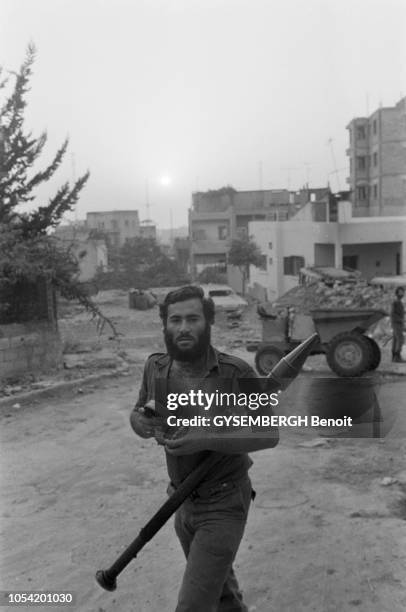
(165, 361)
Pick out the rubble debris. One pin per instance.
(141, 300)
(388, 481)
(304, 298)
(314, 443)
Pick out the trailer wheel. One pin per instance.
(376, 354)
(349, 354)
(266, 358)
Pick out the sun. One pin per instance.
(165, 180)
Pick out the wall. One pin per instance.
(377, 231)
(211, 229)
(369, 254)
(91, 253)
(29, 348)
(234, 279)
(324, 254)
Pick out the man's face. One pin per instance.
(400, 293)
(187, 334)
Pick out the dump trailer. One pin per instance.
(349, 351)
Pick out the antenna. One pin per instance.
(307, 170)
(335, 171)
(147, 202)
(260, 175)
(289, 169)
(171, 225)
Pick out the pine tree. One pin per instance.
(27, 250)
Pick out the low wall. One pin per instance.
(27, 348)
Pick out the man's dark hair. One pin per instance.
(189, 292)
(398, 289)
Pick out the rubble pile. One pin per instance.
(349, 296)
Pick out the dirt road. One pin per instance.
(77, 484)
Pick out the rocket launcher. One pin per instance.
(281, 376)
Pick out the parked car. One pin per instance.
(224, 297)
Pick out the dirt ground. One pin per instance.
(325, 533)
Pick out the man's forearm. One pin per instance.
(230, 446)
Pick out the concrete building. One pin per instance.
(220, 216)
(376, 246)
(118, 225)
(377, 152)
(148, 229)
(90, 252)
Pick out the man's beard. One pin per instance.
(190, 354)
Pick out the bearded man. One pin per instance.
(209, 524)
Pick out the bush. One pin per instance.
(212, 274)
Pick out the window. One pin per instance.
(374, 127)
(375, 159)
(270, 261)
(242, 232)
(361, 193)
(199, 234)
(270, 246)
(333, 211)
(319, 212)
(375, 192)
(361, 165)
(292, 265)
(114, 223)
(350, 261)
(126, 223)
(220, 293)
(222, 232)
(360, 132)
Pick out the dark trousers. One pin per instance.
(210, 531)
(397, 341)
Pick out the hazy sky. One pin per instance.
(202, 93)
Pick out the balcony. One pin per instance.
(206, 247)
(215, 215)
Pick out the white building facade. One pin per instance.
(374, 246)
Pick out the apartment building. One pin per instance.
(219, 216)
(377, 153)
(118, 225)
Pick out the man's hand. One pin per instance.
(193, 441)
(144, 425)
